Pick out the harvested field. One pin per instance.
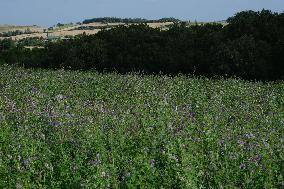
(7, 28)
(68, 31)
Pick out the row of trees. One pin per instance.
(127, 20)
(251, 46)
(15, 32)
(94, 27)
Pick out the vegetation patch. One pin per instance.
(250, 46)
(72, 129)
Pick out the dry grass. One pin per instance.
(7, 28)
(69, 31)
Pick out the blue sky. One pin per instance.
(50, 12)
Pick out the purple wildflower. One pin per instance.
(20, 169)
(233, 155)
(98, 156)
(1, 116)
(74, 168)
(257, 158)
(26, 161)
(162, 150)
(221, 142)
(34, 89)
(240, 142)
(242, 166)
(153, 162)
(88, 103)
(20, 146)
(97, 161)
(19, 185)
(93, 162)
(192, 115)
(250, 136)
(59, 97)
(263, 167)
(146, 149)
(69, 116)
(48, 166)
(55, 123)
(128, 174)
(105, 174)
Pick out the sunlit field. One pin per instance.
(72, 129)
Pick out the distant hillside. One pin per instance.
(65, 30)
(11, 28)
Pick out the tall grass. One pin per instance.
(63, 129)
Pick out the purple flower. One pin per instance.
(59, 97)
(48, 166)
(55, 123)
(20, 146)
(105, 174)
(74, 168)
(19, 185)
(98, 156)
(88, 103)
(1, 116)
(97, 161)
(240, 142)
(191, 114)
(257, 158)
(250, 136)
(68, 115)
(34, 89)
(153, 162)
(162, 150)
(93, 162)
(26, 161)
(128, 174)
(242, 166)
(221, 142)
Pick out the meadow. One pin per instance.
(73, 129)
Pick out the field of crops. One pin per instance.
(63, 129)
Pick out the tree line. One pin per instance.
(250, 46)
(15, 33)
(127, 20)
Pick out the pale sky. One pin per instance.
(50, 12)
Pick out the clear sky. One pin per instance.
(50, 12)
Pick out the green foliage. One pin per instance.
(35, 41)
(63, 129)
(6, 44)
(59, 25)
(250, 47)
(114, 20)
(15, 33)
(128, 20)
